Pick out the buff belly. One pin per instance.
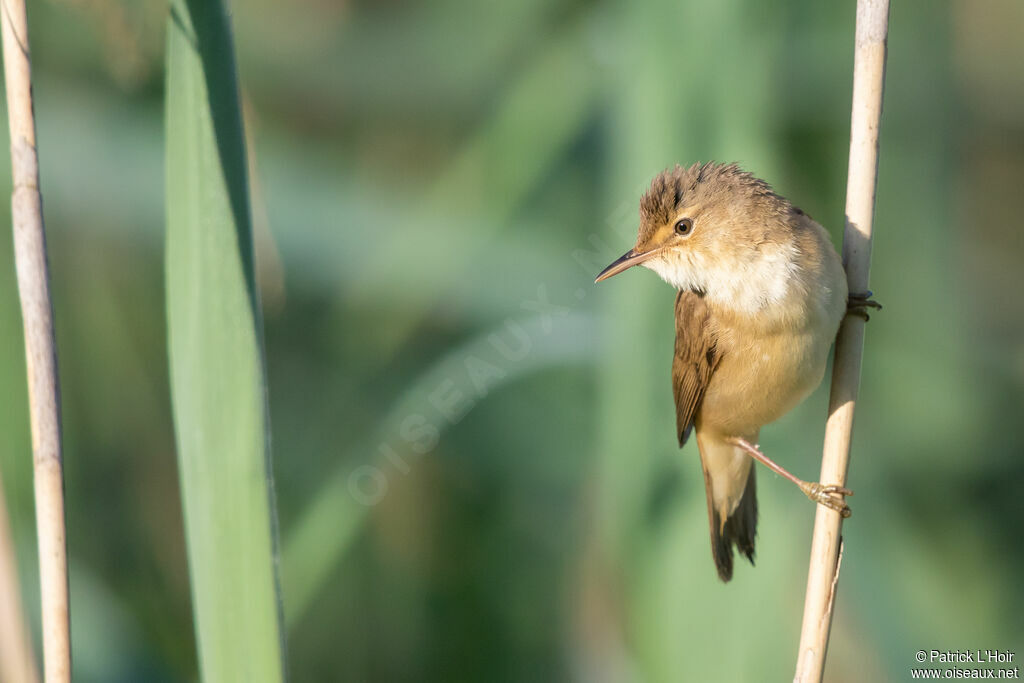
(760, 380)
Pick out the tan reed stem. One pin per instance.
(17, 663)
(40, 352)
(826, 546)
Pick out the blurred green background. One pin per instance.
(475, 464)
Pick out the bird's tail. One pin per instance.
(732, 501)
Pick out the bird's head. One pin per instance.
(716, 230)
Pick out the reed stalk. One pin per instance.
(826, 545)
(17, 663)
(40, 346)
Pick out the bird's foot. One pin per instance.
(858, 305)
(829, 495)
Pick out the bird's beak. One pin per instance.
(628, 260)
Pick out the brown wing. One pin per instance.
(695, 359)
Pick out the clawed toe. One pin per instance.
(858, 305)
(830, 495)
(835, 488)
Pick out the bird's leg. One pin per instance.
(858, 304)
(829, 495)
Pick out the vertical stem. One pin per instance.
(826, 546)
(40, 351)
(16, 659)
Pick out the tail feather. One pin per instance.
(732, 500)
(739, 529)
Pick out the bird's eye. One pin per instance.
(684, 226)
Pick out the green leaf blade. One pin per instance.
(216, 357)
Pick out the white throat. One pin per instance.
(764, 280)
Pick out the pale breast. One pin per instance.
(764, 372)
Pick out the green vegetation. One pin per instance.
(474, 459)
(216, 356)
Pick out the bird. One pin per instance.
(761, 295)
